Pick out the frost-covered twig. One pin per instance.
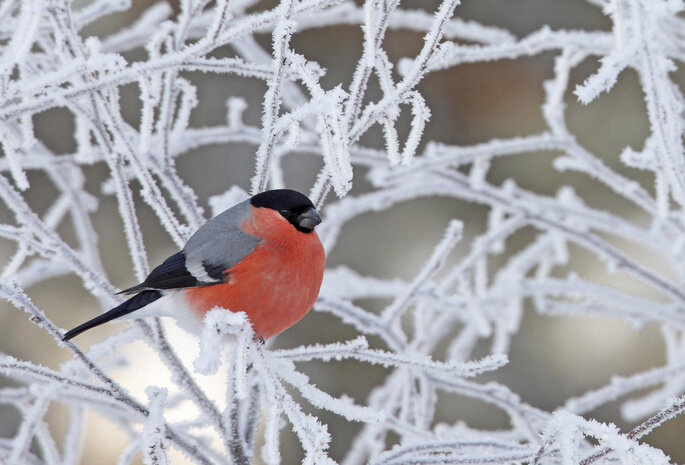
(440, 327)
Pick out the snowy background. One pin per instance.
(502, 186)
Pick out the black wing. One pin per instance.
(172, 274)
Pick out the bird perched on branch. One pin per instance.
(261, 256)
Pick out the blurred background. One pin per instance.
(551, 358)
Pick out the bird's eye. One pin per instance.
(284, 213)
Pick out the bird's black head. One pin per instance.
(293, 206)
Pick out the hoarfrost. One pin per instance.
(428, 338)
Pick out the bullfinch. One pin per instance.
(261, 256)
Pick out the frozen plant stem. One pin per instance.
(443, 324)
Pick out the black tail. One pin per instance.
(134, 303)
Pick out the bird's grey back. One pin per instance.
(220, 241)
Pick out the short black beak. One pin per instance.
(308, 219)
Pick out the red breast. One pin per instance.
(276, 284)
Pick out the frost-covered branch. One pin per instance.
(136, 97)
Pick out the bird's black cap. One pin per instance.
(282, 199)
(292, 205)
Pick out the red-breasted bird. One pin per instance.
(261, 256)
